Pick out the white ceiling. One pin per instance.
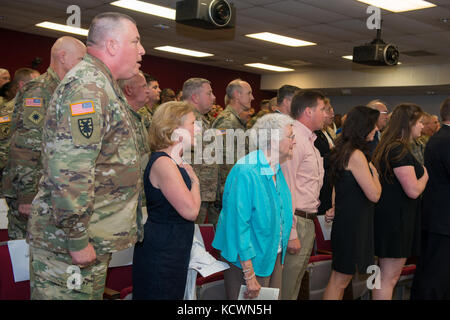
(335, 25)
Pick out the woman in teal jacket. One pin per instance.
(256, 218)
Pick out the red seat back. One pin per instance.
(10, 290)
(208, 233)
(322, 244)
(118, 278)
(4, 235)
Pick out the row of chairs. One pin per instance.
(119, 279)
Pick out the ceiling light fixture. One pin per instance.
(63, 27)
(147, 8)
(268, 67)
(279, 39)
(399, 5)
(185, 52)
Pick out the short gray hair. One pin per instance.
(267, 128)
(191, 86)
(126, 82)
(105, 24)
(375, 102)
(234, 85)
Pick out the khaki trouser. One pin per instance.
(52, 279)
(295, 265)
(234, 278)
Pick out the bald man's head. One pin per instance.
(65, 54)
(135, 90)
(4, 76)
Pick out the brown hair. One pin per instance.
(167, 118)
(445, 110)
(397, 132)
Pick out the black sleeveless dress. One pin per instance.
(352, 235)
(161, 261)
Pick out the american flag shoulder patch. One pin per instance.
(33, 102)
(82, 108)
(5, 119)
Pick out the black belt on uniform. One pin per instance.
(306, 215)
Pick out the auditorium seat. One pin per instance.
(4, 235)
(10, 290)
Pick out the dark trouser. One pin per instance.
(234, 278)
(432, 277)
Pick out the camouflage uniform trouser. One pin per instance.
(209, 209)
(50, 280)
(17, 223)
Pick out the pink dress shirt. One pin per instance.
(304, 173)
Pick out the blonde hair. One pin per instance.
(168, 117)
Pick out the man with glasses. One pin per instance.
(381, 123)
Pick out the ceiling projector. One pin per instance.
(376, 53)
(209, 14)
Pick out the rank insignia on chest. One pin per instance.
(35, 117)
(86, 127)
(33, 102)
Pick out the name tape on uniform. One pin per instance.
(82, 108)
(33, 102)
(5, 119)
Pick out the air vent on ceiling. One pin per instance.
(418, 53)
(297, 63)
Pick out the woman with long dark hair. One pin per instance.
(357, 188)
(397, 214)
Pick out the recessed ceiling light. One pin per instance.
(63, 27)
(351, 58)
(147, 8)
(399, 5)
(185, 52)
(268, 67)
(276, 38)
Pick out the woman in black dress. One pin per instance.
(357, 188)
(397, 214)
(160, 262)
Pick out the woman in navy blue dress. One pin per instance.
(160, 262)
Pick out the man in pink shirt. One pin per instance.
(304, 175)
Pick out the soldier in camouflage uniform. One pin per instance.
(21, 76)
(4, 76)
(198, 93)
(23, 170)
(154, 92)
(86, 205)
(240, 97)
(135, 90)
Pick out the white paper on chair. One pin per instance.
(122, 258)
(20, 259)
(264, 294)
(325, 226)
(3, 214)
(201, 261)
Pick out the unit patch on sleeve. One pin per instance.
(35, 117)
(86, 127)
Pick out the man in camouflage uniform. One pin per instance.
(198, 93)
(239, 96)
(21, 77)
(23, 170)
(5, 77)
(86, 205)
(135, 90)
(154, 92)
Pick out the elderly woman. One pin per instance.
(161, 261)
(397, 214)
(256, 218)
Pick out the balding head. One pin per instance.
(240, 94)
(135, 90)
(65, 54)
(4, 77)
(114, 39)
(380, 106)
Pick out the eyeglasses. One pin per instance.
(384, 112)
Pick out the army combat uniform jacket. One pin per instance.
(91, 166)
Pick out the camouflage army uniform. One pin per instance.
(255, 118)
(227, 119)
(91, 182)
(144, 151)
(146, 115)
(6, 113)
(208, 175)
(23, 170)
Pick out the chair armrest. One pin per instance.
(321, 251)
(111, 294)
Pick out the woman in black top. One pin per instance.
(357, 187)
(403, 179)
(160, 262)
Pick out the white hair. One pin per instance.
(269, 128)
